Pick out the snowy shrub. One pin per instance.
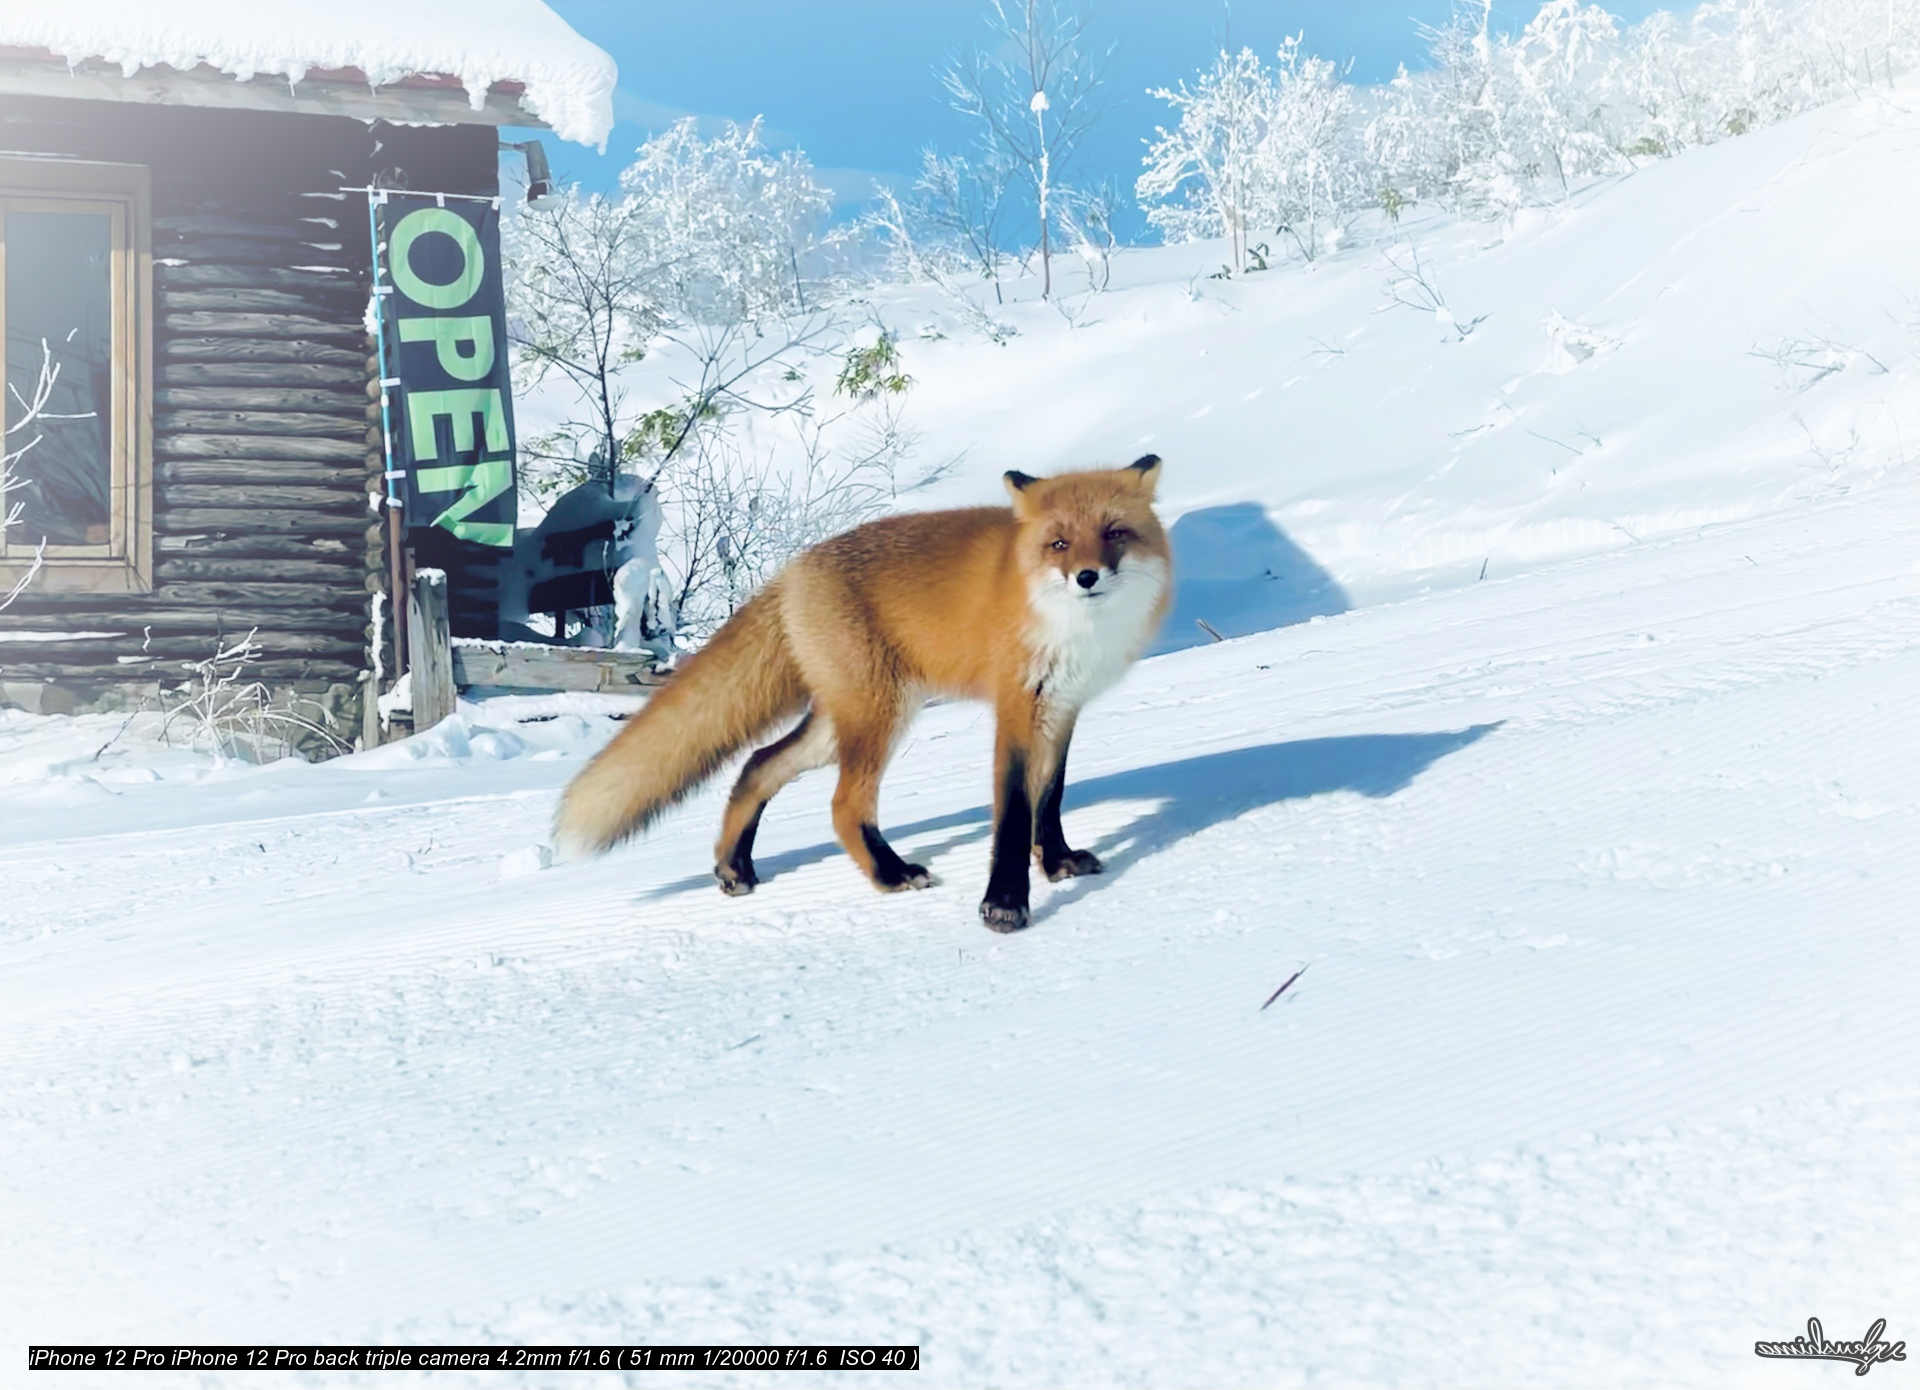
(1085, 218)
(236, 719)
(870, 372)
(951, 224)
(736, 514)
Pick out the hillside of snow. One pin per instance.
(1727, 334)
(1721, 335)
(1567, 770)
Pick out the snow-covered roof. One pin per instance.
(561, 80)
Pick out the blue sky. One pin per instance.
(854, 84)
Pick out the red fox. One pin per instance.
(1038, 609)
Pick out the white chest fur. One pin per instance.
(1083, 640)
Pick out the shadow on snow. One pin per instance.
(1194, 795)
(1241, 574)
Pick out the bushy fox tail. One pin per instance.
(731, 691)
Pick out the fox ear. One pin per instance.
(1148, 467)
(1018, 482)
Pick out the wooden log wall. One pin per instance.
(266, 432)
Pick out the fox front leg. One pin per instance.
(1057, 860)
(1004, 908)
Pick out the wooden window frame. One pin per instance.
(124, 564)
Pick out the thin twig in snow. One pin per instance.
(1283, 988)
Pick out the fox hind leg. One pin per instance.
(808, 745)
(864, 749)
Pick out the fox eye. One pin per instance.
(1118, 533)
(1060, 545)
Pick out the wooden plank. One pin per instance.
(261, 277)
(350, 375)
(126, 616)
(350, 499)
(340, 572)
(263, 256)
(203, 223)
(333, 591)
(178, 521)
(523, 666)
(241, 446)
(270, 301)
(238, 325)
(270, 472)
(274, 642)
(169, 670)
(263, 349)
(429, 649)
(252, 543)
(283, 424)
(349, 402)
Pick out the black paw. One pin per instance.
(1003, 916)
(905, 877)
(736, 879)
(1075, 863)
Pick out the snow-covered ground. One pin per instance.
(1604, 1064)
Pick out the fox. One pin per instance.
(1037, 608)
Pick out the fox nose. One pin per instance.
(1087, 578)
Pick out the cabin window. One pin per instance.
(73, 271)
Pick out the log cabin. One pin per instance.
(184, 235)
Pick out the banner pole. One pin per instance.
(395, 508)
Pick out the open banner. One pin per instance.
(443, 327)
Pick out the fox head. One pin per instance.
(1093, 535)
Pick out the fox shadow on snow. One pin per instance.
(1194, 795)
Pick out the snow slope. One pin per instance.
(1623, 383)
(1726, 334)
(1602, 1068)
(1602, 869)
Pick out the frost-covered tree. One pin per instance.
(1258, 149)
(726, 221)
(1204, 177)
(1497, 119)
(962, 207)
(1306, 154)
(705, 231)
(1559, 65)
(583, 298)
(1737, 65)
(1034, 92)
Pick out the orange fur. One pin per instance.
(985, 603)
